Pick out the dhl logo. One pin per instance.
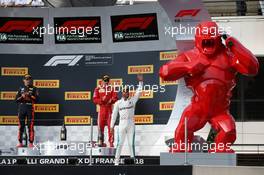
(144, 119)
(141, 69)
(77, 120)
(8, 95)
(14, 71)
(144, 94)
(46, 107)
(8, 120)
(164, 83)
(46, 83)
(113, 81)
(170, 55)
(166, 106)
(81, 95)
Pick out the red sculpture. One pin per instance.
(209, 70)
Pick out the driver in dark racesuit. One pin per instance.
(26, 97)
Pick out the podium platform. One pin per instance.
(64, 148)
(96, 170)
(24, 151)
(219, 159)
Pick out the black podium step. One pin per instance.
(96, 170)
(250, 159)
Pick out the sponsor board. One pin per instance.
(113, 81)
(97, 108)
(140, 69)
(81, 160)
(78, 95)
(144, 119)
(8, 120)
(46, 107)
(15, 30)
(77, 30)
(166, 105)
(14, 71)
(170, 55)
(56, 82)
(137, 27)
(77, 120)
(164, 83)
(46, 83)
(8, 95)
(145, 94)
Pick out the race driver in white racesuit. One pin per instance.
(125, 107)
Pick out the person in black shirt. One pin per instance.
(26, 97)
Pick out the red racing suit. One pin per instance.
(105, 97)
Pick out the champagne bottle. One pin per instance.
(63, 134)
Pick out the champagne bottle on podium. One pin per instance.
(63, 134)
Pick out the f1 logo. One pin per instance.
(75, 24)
(26, 26)
(70, 60)
(190, 12)
(137, 22)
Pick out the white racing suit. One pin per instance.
(126, 111)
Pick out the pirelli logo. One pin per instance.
(140, 69)
(97, 108)
(14, 71)
(113, 81)
(8, 95)
(77, 120)
(144, 119)
(47, 83)
(166, 105)
(144, 94)
(164, 83)
(8, 120)
(46, 107)
(78, 95)
(170, 55)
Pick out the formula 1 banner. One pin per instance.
(18, 30)
(77, 30)
(66, 84)
(138, 27)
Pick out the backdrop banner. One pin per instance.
(66, 84)
(68, 65)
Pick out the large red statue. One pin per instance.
(209, 70)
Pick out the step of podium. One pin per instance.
(64, 148)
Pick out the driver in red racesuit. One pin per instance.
(210, 70)
(104, 96)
